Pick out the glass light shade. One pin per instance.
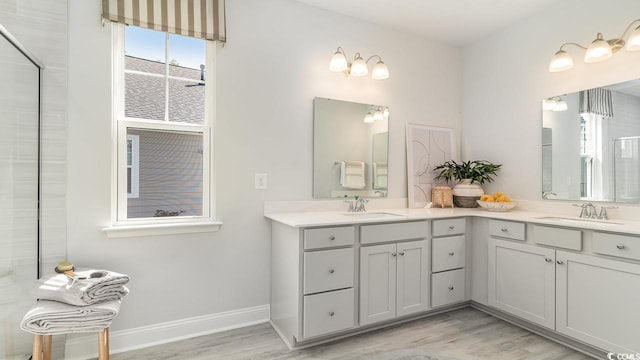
(368, 119)
(338, 62)
(385, 113)
(548, 104)
(633, 44)
(377, 115)
(380, 71)
(561, 105)
(359, 67)
(561, 61)
(599, 50)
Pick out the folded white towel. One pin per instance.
(352, 174)
(380, 171)
(54, 318)
(99, 286)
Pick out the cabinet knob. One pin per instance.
(559, 262)
(620, 246)
(503, 229)
(548, 260)
(450, 287)
(451, 227)
(401, 253)
(332, 237)
(451, 253)
(393, 254)
(331, 313)
(331, 271)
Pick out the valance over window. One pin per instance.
(596, 101)
(203, 19)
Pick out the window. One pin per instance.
(162, 109)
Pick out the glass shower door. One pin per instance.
(19, 188)
(626, 168)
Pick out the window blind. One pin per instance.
(596, 101)
(203, 19)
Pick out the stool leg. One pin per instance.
(103, 344)
(47, 347)
(37, 348)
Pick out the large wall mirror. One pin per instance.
(591, 144)
(350, 149)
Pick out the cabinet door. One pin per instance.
(413, 278)
(377, 283)
(597, 301)
(522, 281)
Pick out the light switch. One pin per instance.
(261, 181)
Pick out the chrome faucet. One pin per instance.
(588, 210)
(546, 194)
(356, 205)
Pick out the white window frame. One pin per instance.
(121, 225)
(135, 165)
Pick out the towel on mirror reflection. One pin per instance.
(99, 286)
(53, 318)
(380, 172)
(352, 174)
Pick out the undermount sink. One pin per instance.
(579, 221)
(373, 215)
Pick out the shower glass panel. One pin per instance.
(19, 192)
(626, 162)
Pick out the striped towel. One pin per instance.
(99, 286)
(54, 318)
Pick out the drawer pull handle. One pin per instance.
(451, 288)
(451, 227)
(393, 254)
(332, 237)
(401, 253)
(503, 229)
(451, 253)
(559, 262)
(620, 246)
(548, 260)
(331, 313)
(331, 271)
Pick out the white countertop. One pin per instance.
(332, 218)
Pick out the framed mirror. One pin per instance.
(350, 149)
(591, 144)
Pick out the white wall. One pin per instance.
(274, 64)
(505, 77)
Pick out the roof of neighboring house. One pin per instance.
(145, 95)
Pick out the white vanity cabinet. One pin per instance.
(522, 280)
(598, 301)
(394, 277)
(448, 261)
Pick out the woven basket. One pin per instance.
(442, 196)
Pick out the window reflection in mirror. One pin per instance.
(350, 149)
(590, 150)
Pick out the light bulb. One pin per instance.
(359, 67)
(377, 115)
(633, 44)
(385, 113)
(599, 50)
(561, 105)
(561, 61)
(548, 104)
(338, 62)
(368, 119)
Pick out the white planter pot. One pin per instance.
(465, 194)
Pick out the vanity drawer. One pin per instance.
(370, 234)
(328, 237)
(507, 229)
(328, 270)
(446, 227)
(448, 253)
(624, 246)
(557, 237)
(328, 312)
(447, 287)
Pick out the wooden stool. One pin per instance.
(42, 346)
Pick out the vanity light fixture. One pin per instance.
(554, 104)
(358, 67)
(599, 49)
(368, 118)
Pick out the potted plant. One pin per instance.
(470, 175)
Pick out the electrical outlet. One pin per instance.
(261, 181)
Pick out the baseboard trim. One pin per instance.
(86, 346)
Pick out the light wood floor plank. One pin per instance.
(465, 334)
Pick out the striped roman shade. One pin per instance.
(596, 101)
(203, 19)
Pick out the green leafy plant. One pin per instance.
(480, 171)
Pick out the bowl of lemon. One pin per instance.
(499, 201)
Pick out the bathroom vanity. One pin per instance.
(336, 274)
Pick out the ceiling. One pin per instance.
(457, 22)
